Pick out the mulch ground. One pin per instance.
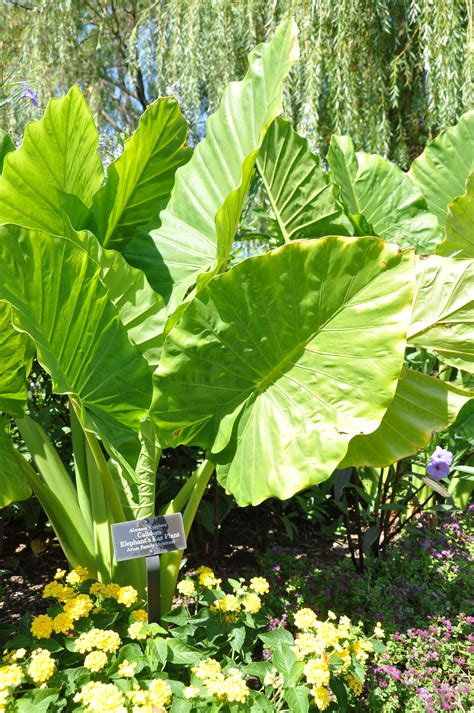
(31, 557)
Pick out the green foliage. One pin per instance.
(95, 641)
(273, 366)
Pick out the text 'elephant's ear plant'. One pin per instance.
(282, 367)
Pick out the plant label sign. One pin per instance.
(148, 537)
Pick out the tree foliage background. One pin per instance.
(391, 73)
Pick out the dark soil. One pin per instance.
(31, 557)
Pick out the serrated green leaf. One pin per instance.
(380, 194)
(443, 310)
(179, 652)
(140, 180)
(58, 155)
(58, 299)
(297, 699)
(303, 349)
(442, 169)
(276, 636)
(283, 659)
(300, 194)
(199, 223)
(459, 240)
(421, 406)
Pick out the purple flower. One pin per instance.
(30, 94)
(440, 462)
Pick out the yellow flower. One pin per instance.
(231, 688)
(252, 603)
(127, 596)
(229, 603)
(100, 698)
(331, 615)
(160, 693)
(108, 641)
(259, 585)
(361, 649)
(321, 697)
(208, 668)
(355, 685)
(306, 644)
(140, 615)
(378, 631)
(126, 669)
(60, 573)
(10, 676)
(186, 588)
(305, 619)
(273, 679)
(14, 655)
(62, 623)
(41, 666)
(190, 692)
(317, 672)
(95, 661)
(42, 626)
(97, 589)
(59, 591)
(207, 578)
(327, 633)
(78, 575)
(79, 606)
(137, 631)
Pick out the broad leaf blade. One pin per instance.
(459, 240)
(139, 182)
(13, 482)
(6, 145)
(58, 155)
(199, 223)
(442, 169)
(300, 194)
(286, 357)
(379, 194)
(422, 405)
(142, 310)
(58, 299)
(16, 352)
(443, 310)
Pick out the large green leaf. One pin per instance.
(459, 240)
(421, 406)
(13, 482)
(6, 145)
(141, 309)
(301, 195)
(58, 299)
(15, 353)
(443, 310)
(278, 363)
(380, 197)
(199, 223)
(58, 155)
(139, 182)
(442, 169)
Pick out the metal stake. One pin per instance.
(154, 590)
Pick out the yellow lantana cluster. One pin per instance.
(41, 666)
(99, 697)
(319, 642)
(207, 578)
(155, 698)
(99, 640)
(231, 688)
(10, 677)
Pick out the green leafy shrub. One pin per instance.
(94, 651)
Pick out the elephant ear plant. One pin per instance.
(281, 367)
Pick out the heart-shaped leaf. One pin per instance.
(278, 363)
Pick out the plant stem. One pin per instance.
(171, 560)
